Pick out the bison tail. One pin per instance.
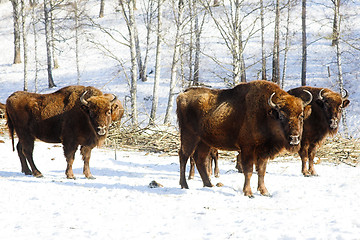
(11, 129)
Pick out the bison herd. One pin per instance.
(257, 119)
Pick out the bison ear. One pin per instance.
(307, 111)
(85, 108)
(274, 114)
(345, 103)
(320, 103)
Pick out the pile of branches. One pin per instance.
(156, 139)
(165, 140)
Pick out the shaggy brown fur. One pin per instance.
(237, 119)
(59, 117)
(323, 121)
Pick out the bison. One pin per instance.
(73, 116)
(324, 120)
(257, 118)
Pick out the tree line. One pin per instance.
(238, 23)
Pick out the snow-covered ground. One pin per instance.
(118, 204)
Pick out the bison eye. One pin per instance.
(108, 113)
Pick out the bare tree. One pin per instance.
(155, 100)
(276, 52)
(47, 9)
(287, 42)
(263, 56)
(340, 80)
(25, 45)
(17, 32)
(34, 20)
(230, 28)
(128, 13)
(336, 24)
(102, 8)
(179, 27)
(304, 44)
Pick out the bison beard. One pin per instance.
(257, 118)
(324, 120)
(73, 116)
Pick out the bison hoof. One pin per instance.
(91, 177)
(71, 177)
(38, 175)
(251, 196)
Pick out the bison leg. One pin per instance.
(304, 158)
(215, 157)
(238, 163)
(24, 166)
(202, 161)
(312, 152)
(27, 147)
(188, 144)
(261, 169)
(192, 168)
(69, 152)
(86, 153)
(247, 162)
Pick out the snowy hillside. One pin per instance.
(118, 204)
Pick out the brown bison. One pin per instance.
(2, 110)
(212, 157)
(258, 118)
(324, 120)
(73, 116)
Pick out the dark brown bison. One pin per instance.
(73, 116)
(324, 120)
(258, 118)
(212, 157)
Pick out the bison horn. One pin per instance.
(271, 103)
(320, 94)
(82, 100)
(345, 94)
(114, 99)
(311, 98)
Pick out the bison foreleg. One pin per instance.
(86, 153)
(261, 169)
(312, 152)
(192, 168)
(69, 152)
(247, 162)
(304, 158)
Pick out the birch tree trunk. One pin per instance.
(304, 44)
(263, 56)
(130, 21)
(286, 43)
(34, 20)
(76, 16)
(276, 60)
(336, 22)
(25, 45)
(155, 101)
(102, 8)
(173, 77)
(339, 64)
(52, 41)
(17, 34)
(48, 44)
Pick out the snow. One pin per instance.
(119, 204)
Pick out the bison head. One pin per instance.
(332, 104)
(98, 109)
(290, 112)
